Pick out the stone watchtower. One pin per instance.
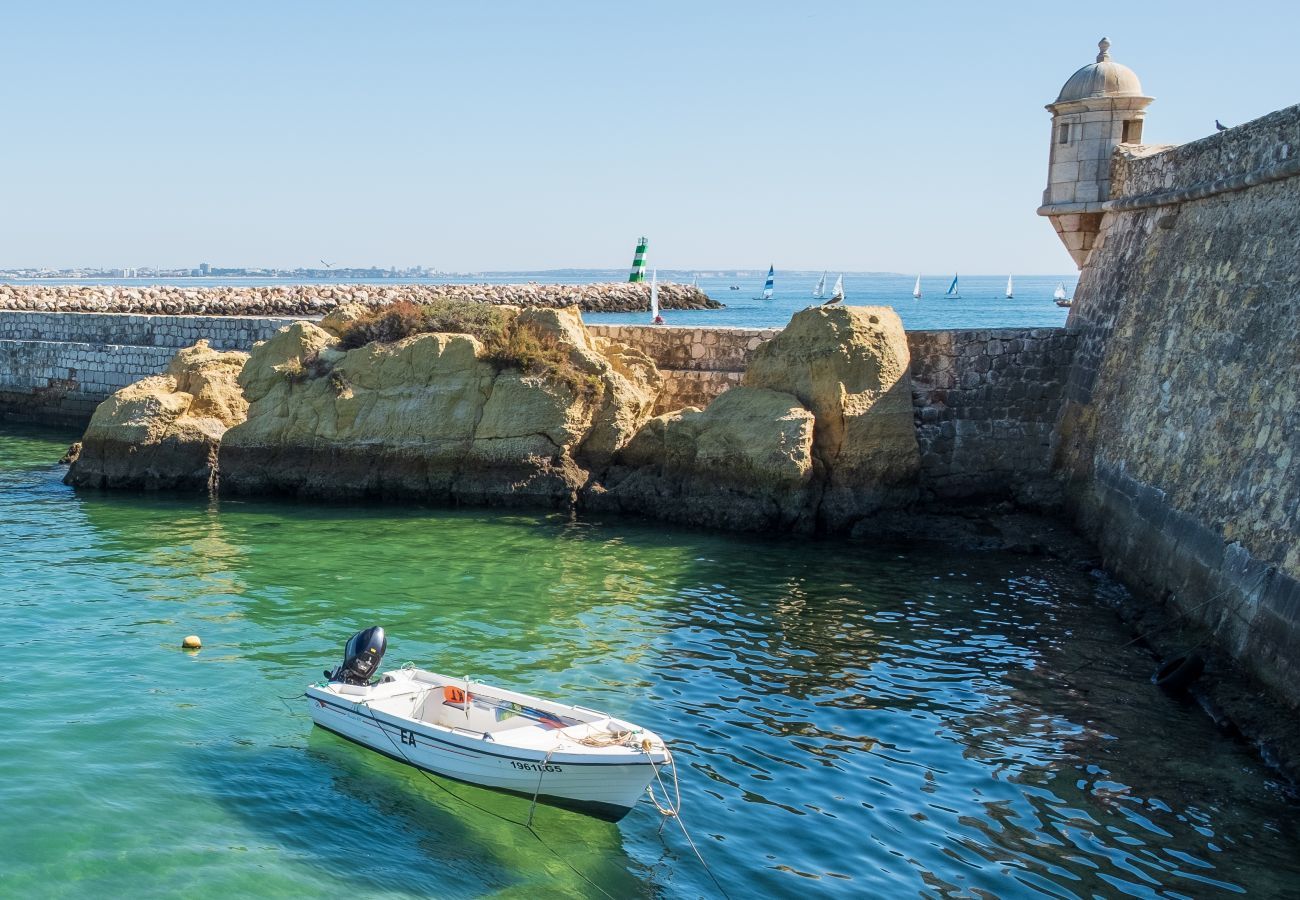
(1100, 107)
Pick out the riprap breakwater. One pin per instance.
(318, 299)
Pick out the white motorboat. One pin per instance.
(559, 754)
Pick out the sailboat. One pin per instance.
(820, 290)
(655, 318)
(1059, 295)
(916, 291)
(767, 285)
(952, 289)
(1010, 293)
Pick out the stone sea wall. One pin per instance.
(982, 400)
(1180, 435)
(301, 300)
(986, 404)
(57, 367)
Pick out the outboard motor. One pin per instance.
(361, 657)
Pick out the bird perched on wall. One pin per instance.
(1219, 126)
(837, 295)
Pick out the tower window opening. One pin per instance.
(1132, 131)
(1065, 132)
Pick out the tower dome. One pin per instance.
(1103, 78)
(1100, 107)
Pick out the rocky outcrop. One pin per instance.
(819, 437)
(163, 432)
(743, 463)
(849, 366)
(320, 299)
(433, 417)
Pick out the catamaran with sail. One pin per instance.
(916, 291)
(769, 284)
(1010, 291)
(555, 753)
(820, 290)
(1059, 295)
(953, 292)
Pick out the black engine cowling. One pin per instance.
(361, 657)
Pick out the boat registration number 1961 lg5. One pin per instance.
(535, 767)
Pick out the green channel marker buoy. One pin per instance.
(638, 262)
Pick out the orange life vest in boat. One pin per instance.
(452, 695)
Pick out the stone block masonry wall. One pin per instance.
(1180, 434)
(698, 364)
(986, 404)
(57, 367)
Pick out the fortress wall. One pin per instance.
(986, 404)
(984, 401)
(1180, 435)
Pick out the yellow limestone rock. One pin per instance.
(850, 366)
(432, 417)
(162, 432)
(341, 316)
(745, 462)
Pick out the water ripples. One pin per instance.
(848, 720)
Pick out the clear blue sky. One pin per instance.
(511, 135)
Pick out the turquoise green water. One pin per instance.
(849, 721)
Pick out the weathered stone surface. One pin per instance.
(850, 367)
(743, 463)
(430, 417)
(163, 432)
(1179, 440)
(341, 316)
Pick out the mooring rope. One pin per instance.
(675, 812)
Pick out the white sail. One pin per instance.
(1059, 293)
(654, 295)
(916, 291)
(820, 290)
(838, 292)
(1010, 293)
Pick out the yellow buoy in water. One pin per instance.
(192, 642)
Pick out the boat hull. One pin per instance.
(607, 790)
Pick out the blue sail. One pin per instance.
(767, 285)
(952, 288)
